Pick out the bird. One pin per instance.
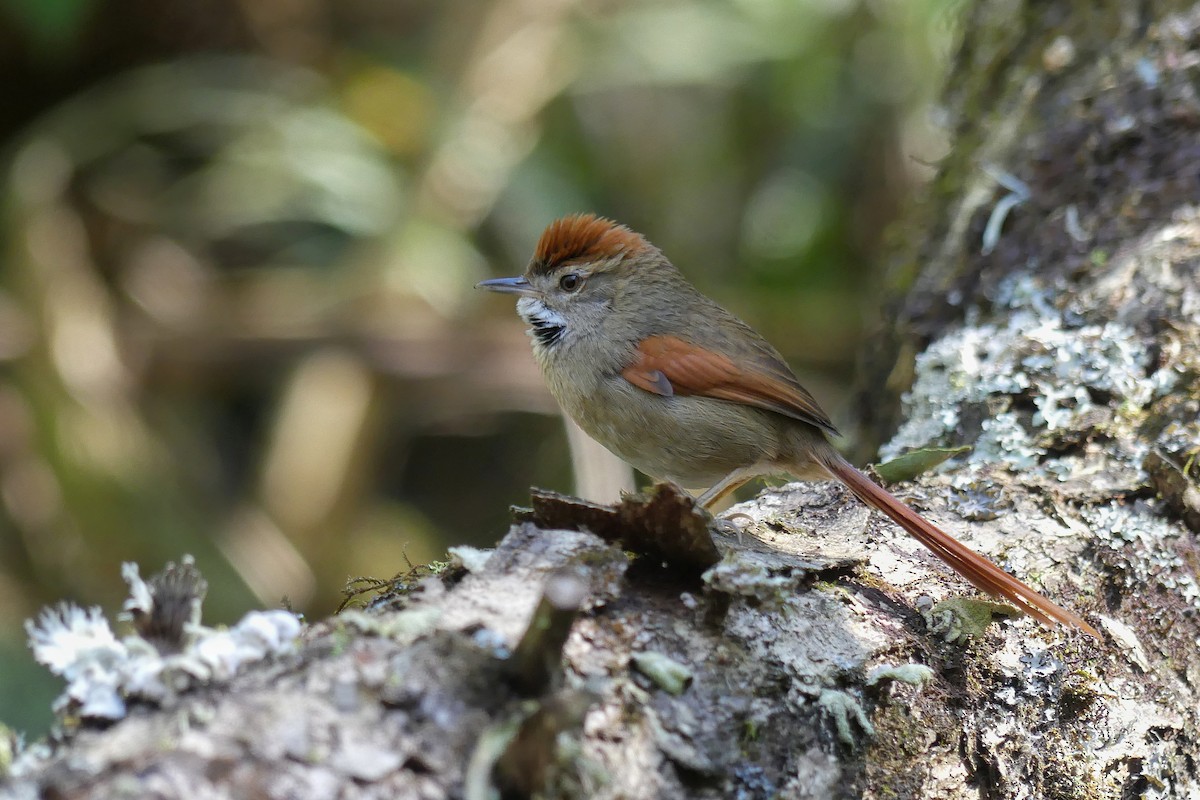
(684, 391)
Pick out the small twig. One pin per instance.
(532, 753)
(538, 658)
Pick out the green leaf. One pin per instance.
(916, 462)
(667, 673)
(967, 617)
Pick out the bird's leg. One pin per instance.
(730, 483)
(709, 499)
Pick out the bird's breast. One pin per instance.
(694, 441)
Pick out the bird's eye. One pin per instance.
(570, 282)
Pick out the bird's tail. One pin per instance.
(966, 562)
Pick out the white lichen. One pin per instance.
(472, 559)
(739, 576)
(78, 645)
(1066, 370)
(842, 709)
(913, 674)
(1146, 543)
(1127, 640)
(141, 597)
(403, 626)
(103, 672)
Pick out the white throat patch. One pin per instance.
(546, 327)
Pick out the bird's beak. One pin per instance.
(516, 285)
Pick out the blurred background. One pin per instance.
(240, 239)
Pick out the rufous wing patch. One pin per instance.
(689, 369)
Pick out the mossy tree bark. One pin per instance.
(1061, 339)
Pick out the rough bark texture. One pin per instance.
(1069, 356)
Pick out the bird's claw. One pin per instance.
(727, 526)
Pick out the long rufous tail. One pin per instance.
(975, 568)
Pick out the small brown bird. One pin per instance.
(684, 391)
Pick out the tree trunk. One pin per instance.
(1049, 316)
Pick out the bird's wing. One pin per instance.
(668, 365)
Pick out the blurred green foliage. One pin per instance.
(236, 315)
(50, 26)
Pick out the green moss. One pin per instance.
(1079, 694)
(1064, 776)
(897, 761)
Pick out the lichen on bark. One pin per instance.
(1067, 356)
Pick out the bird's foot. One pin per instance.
(727, 526)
